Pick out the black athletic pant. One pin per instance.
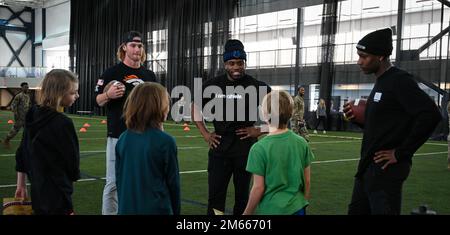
(220, 169)
(379, 192)
(323, 120)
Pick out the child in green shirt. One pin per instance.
(280, 163)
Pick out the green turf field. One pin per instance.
(336, 159)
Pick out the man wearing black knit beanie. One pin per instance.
(399, 118)
(232, 138)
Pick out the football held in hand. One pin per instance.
(354, 110)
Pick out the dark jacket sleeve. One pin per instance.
(72, 150)
(22, 158)
(21, 165)
(173, 177)
(425, 113)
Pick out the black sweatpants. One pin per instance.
(220, 169)
(323, 120)
(379, 192)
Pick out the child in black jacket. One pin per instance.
(49, 152)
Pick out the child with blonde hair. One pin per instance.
(49, 152)
(280, 163)
(321, 115)
(147, 175)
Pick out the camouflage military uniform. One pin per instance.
(298, 123)
(20, 105)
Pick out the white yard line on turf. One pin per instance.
(103, 151)
(181, 148)
(198, 136)
(336, 136)
(192, 172)
(357, 159)
(359, 138)
(203, 171)
(437, 144)
(427, 154)
(334, 142)
(101, 119)
(192, 125)
(104, 178)
(189, 147)
(104, 138)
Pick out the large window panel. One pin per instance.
(269, 38)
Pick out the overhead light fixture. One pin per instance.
(370, 8)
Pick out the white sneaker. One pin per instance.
(315, 131)
(324, 132)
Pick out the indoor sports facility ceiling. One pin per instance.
(23, 3)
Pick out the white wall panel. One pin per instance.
(38, 25)
(58, 19)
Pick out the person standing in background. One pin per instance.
(298, 121)
(19, 106)
(321, 115)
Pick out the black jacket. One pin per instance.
(49, 154)
(230, 143)
(399, 115)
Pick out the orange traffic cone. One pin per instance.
(10, 122)
(187, 129)
(103, 122)
(83, 129)
(86, 125)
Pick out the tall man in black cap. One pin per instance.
(233, 135)
(399, 118)
(112, 90)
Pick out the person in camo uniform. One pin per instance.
(298, 121)
(20, 106)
